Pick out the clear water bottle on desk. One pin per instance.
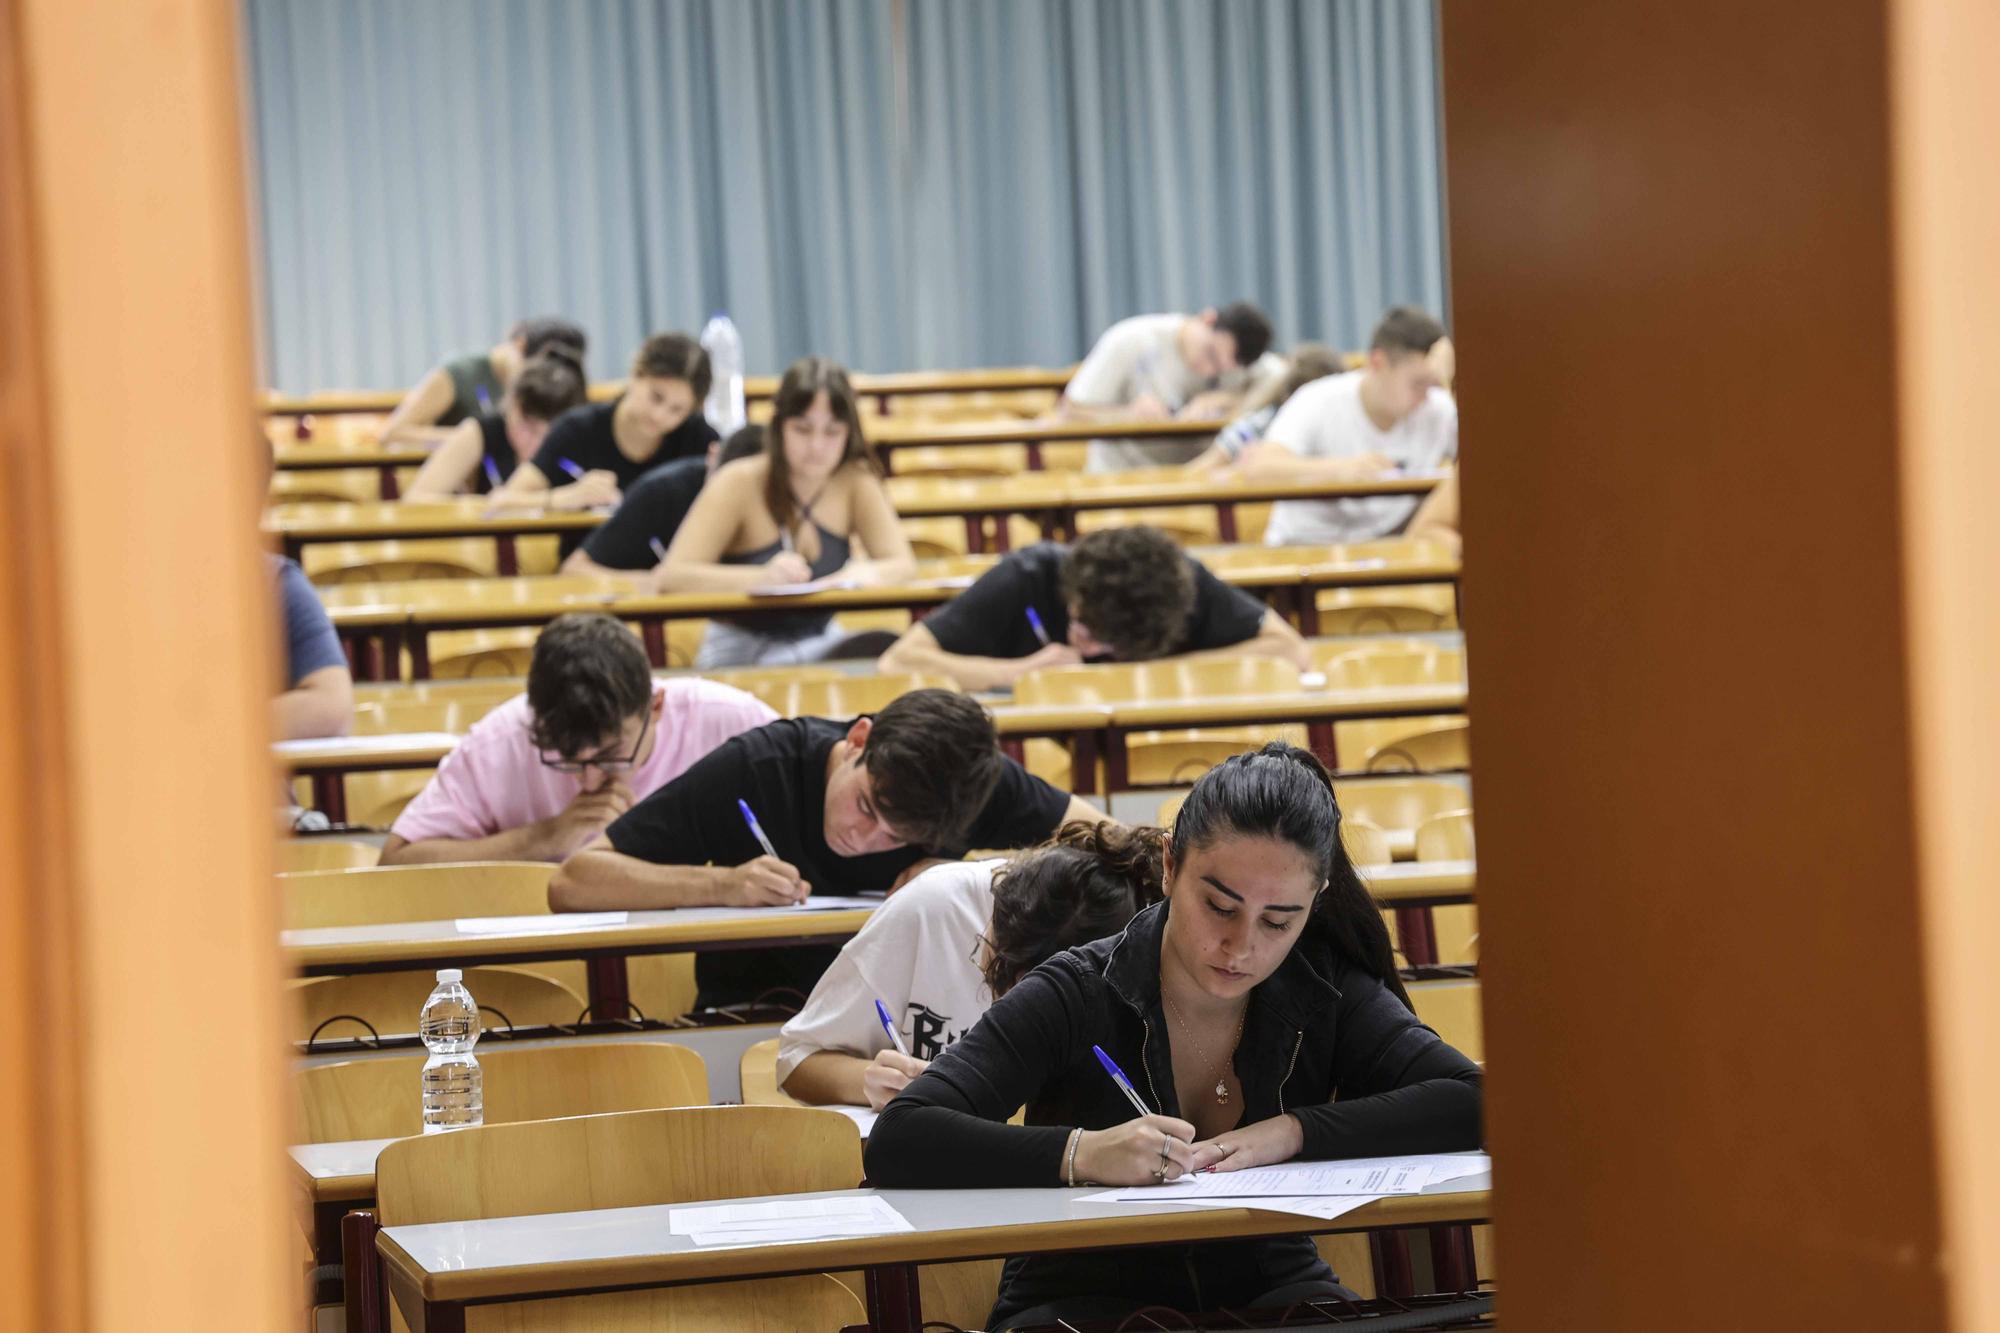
(449, 1026)
(724, 408)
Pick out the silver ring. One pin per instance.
(1165, 1141)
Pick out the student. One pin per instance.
(1308, 362)
(1128, 594)
(471, 385)
(1157, 366)
(654, 509)
(593, 452)
(1389, 416)
(483, 451)
(944, 945)
(1436, 519)
(545, 772)
(318, 698)
(1258, 1013)
(850, 807)
(791, 515)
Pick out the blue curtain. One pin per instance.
(894, 183)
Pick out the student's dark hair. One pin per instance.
(1308, 362)
(745, 443)
(587, 677)
(1249, 326)
(673, 356)
(1132, 587)
(1405, 331)
(1081, 885)
(934, 760)
(549, 384)
(546, 331)
(806, 379)
(1283, 792)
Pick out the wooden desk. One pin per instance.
(299, 525)
(1033, 433)
(435, 1271)
(327, 762)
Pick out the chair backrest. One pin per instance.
(1442, 748)
(1365, 668)
(400, 561)
(296, 854)
(616, 1161)
(1399, 803)
(376, 799)
(846, 696)
(1446, 837)
(382, 1097)
(387, 1003)
(1188, 525)
(391, 717)
(415, 893)
(1451, 1009)
(758, 1073)
(1174, 678)
(1366, 843)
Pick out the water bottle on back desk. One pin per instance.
(724, 346)
(449, 1026)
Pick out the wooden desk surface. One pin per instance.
(1292, 706)
(337, 1172)
(383, 520)
(348, 754)
(319, 455)
(567, 1252)
(894, 434)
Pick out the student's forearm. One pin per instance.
(414, 434)
(1076, 411)
(829, 1078)
(703, 577)
(1293, 468)
(600, 880)
(530, 842)
(579, 563)
(971, 673)
(308, 714)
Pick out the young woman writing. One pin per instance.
(1258, 1012)
(482, 452)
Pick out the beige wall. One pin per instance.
(134, 792)
(1712, 503)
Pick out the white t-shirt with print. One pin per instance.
(1325, 419)
(1140, 356)
(919, 955)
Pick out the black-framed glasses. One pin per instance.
(601, 762)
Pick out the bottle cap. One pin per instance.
(447, 975)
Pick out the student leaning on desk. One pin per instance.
(1258, 1012)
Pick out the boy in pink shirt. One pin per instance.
(545, 773)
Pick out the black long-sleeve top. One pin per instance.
(1322, 1040)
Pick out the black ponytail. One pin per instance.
(1085, 883)
(1284, 792)
(550, 384)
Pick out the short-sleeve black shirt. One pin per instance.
(990, 619)
(780, 770)
(583, 436)
(651, 511)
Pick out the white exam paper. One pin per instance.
(834, 902)
(787, 1220)
(1325, 1207)
(1379, 1177)
(542, 924)
(804, 589)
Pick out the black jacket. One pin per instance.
(1322, 1039)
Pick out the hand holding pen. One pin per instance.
(892, 1068)
(1150, 1150)
(767, 880)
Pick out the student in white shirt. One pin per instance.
(1158, 366)
(1390, 416)
(946, 944)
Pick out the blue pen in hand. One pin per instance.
(492, 475)
(660, 553)
(1118, 1077)
(1035, 624)
(757, 830)
(574, 471)
(485, 399)
(882, 1012)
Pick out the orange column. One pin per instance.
(135, 790)
(1713, 502)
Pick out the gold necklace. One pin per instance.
(1222, 1080)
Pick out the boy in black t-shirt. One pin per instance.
(1125, 594)
(653, 509)
(849, 807)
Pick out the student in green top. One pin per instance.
(472, 385)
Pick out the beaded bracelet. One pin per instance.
(1069, 1162)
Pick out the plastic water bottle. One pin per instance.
(449, 1026)
(724, 408)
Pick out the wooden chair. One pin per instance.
(1451, 1009)
(1416, 609)
(847, 696)
(935, 538)
(1393, 745)
(345, 486)
(758, 1072)
(383, 1004)
(1448, 837)
(1392, 662)
(687, 1155)
(1399, 805)
(390, 717)
(375, 799)
(1188, 525)
(296, 854)
(397, 561)
(763, 681)
(381, 1097)
(1444, 746)
(991, 460)
(445, 892)
(467, 654)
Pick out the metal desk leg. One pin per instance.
(1413, 927)
(1452, 1261)
(1392, 1264)
(1117, 770)
(654, 632)
(1320, 740)
(390, 491)
(1225, 522)
(510, 563)
(366, 1309)
(894, 1305)
(1083, 764)
(975, 534)
(610, 999)
(1034, 455)
(329, 791)
(420, 653)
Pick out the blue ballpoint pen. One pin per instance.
(882, 1012)
(492, 475)
(1035, 624)
(1118, 1077)
(757, 830)
(570, 468)
(659, 548)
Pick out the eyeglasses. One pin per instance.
(602, 763)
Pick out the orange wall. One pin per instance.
(1673, 291)
(146, 773)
